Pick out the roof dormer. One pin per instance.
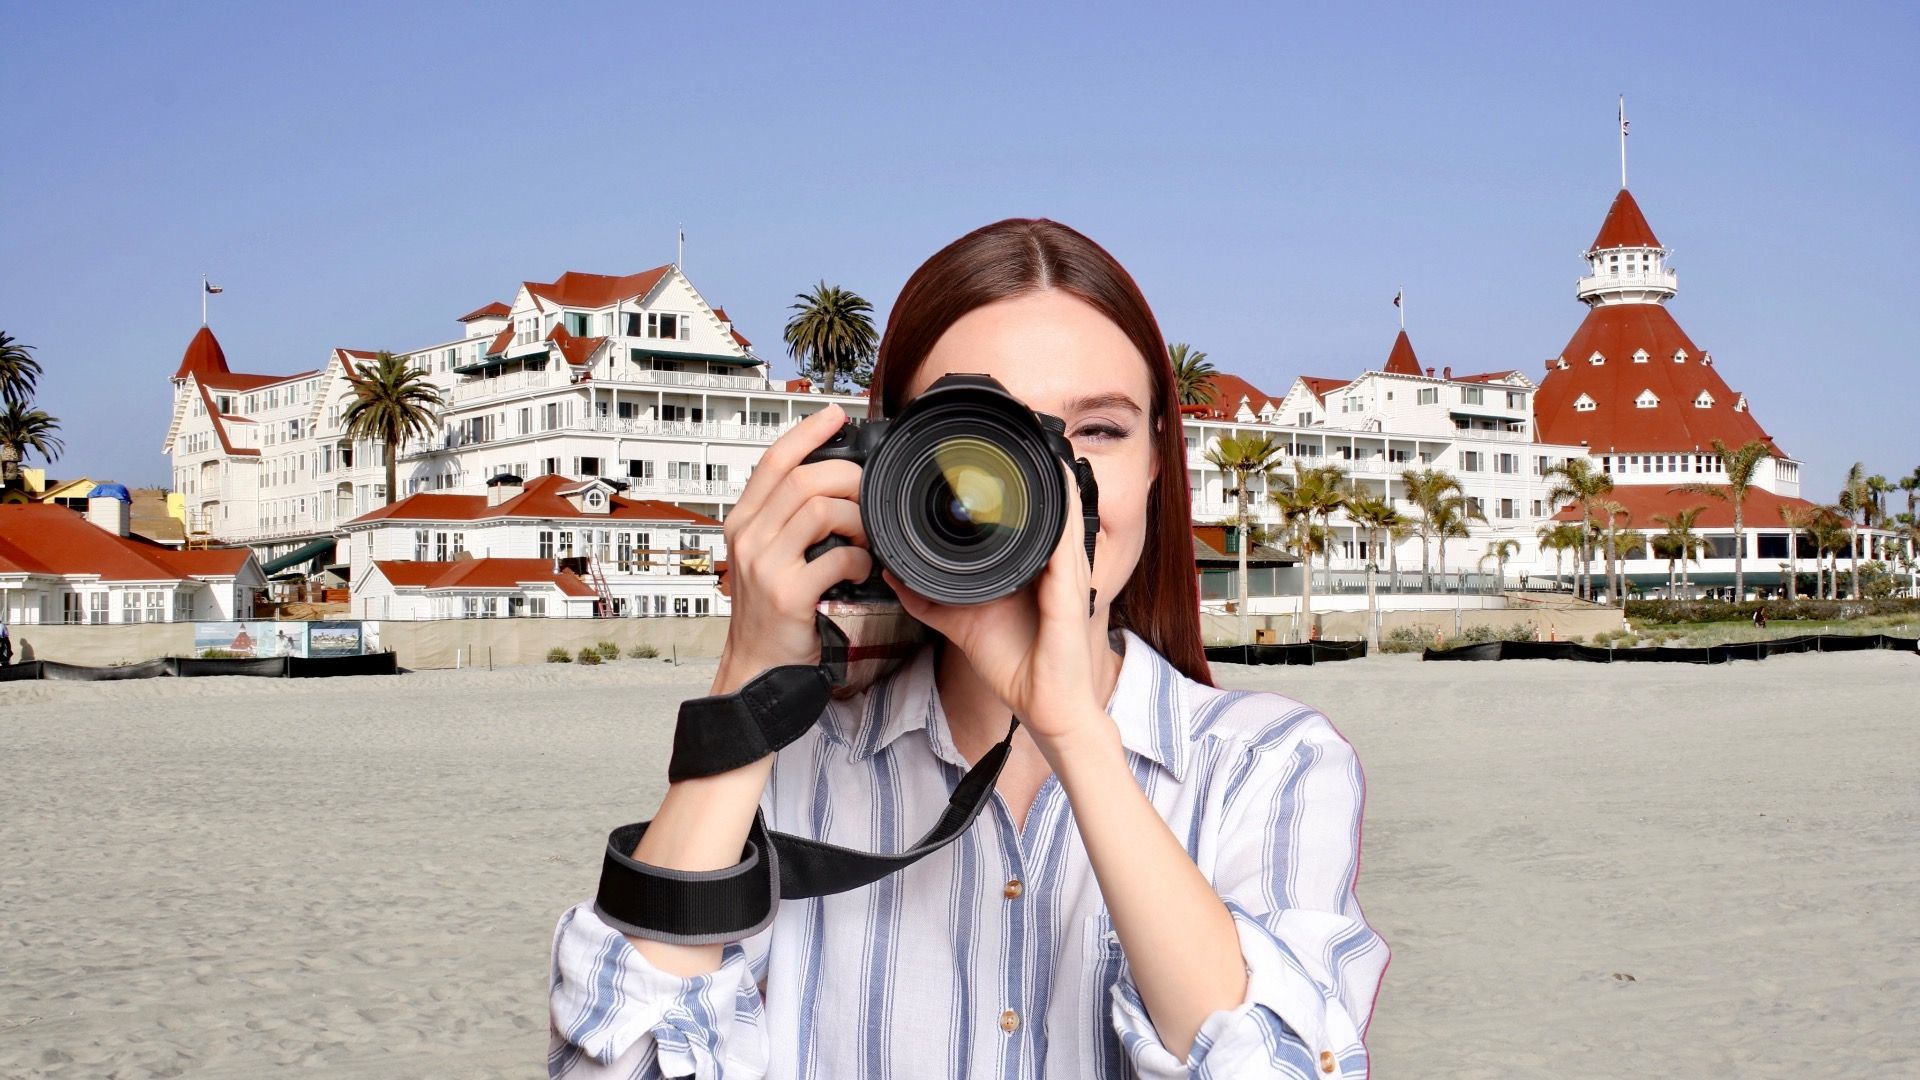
(591, 497)
(1639, 356)
(1596, 359)
(1679, 356)
(1704, 401)
(1584, 403)
(1647, 400)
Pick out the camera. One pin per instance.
(963, 494)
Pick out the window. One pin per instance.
(1583, 403)
(1704, 401)
(1506, 463)
(130, 607)
(549, 466)
(1646, 400)
(566, 543)
(1639, 356)
(717, 473)
(588, 466)
(764, 418)
(546, 543)
(662, 324)
(439, 547)
(680, 605)
(577, 323)
(1470, 460)
(639, 470)
(683, 470)
(537, 606)
(1472, 395)
(156, 605)
(97, 608)
(1596, 359)
(1536, 508)
(71, 608)
(419, 545)
(1679, 356)
(628, 410)
(1430, 395)
(1506, 508)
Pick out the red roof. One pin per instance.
(486, 311)
(1484, 377)
(1401, 360)
(575, 349)
(1625, 226)
(738, 338)
(1616, 332)
(1224, 392)
(1320, 387)
(541, 499)
(501, 341)
(1643, 501)
(203, 357)
(481, 574)
(574, 289)
(220, 427)
(42, 538)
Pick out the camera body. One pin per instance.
(963, 495)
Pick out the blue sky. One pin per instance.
(360, 175)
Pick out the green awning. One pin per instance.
(532, 360)
(638, 355)
(298, 555)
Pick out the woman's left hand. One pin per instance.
(1037, 648)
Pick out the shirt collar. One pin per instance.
(1148, 706)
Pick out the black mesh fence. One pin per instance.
(187, 667)
(1305, 652)
(1712, 654)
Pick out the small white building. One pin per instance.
(550, 547)
(59, 565)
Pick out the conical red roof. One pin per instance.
(1680, 421)
(1401, 360)
(1625, 226)
(203, 356)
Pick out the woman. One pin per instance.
(1163, 882)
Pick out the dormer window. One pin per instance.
(1646, 400)
(1639, 356)
(1740, 403)
(1596, 359)
(1704, 401)
(1583, 403)
(1706, 358)
(1560, 362)
(1679, 356)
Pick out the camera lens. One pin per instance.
(964, 500)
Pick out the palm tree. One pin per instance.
(830, 333)
(1831, 532)
(1298, 499)
(1449, 520)
(1739, 467)
(1314, 491)
(1799, 523)
(19, 371)
(1500, 551)
(1685, 541)
(1858, 500)
(1558, 537)
(1576, 481)
(1191, 372)
(1241, 458)
(1425, 488)
(23, 429)
(393, 401)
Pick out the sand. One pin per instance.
(1583, 870)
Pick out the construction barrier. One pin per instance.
(187, 667)
(1306, 652)
(1712, 654)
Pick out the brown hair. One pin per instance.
(1161, 601)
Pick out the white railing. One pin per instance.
(722, 489)
(1489, 433)
(512, 382)
(684, 429)
(644, 376)
(1666, 280)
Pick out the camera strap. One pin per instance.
(724, 732)
(720, 733)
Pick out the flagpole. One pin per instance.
(1402, 305)
(680, 250)
(1623, 140)
(203, 299)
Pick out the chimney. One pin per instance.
(108, 506)
(1429, 373)
(1446, 372)
(503, 488)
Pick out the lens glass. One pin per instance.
(975, 493)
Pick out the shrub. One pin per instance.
(589, 655)
(559, 655)
(1406, 639)
(607, 650)
(642, 652)
(1801, 610)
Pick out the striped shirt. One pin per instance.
(995, 956)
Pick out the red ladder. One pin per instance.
(605, 604)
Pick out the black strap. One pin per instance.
(720, 733)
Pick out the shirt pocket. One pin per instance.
(1104, 966)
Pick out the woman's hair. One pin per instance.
(1161, 601)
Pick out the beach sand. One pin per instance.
(1583, 870)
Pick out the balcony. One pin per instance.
(1665, 281)
(716, 489)
(511, 383)
(684, 429)
(688, 379)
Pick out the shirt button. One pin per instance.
(1326, 1061)
(1013, 889)
(1009, 1020)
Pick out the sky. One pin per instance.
(360, 175)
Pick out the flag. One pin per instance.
(1396, 298)
(212, 288)
(1623, 118)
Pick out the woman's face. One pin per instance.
(1059, 355)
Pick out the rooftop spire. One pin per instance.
(1401, 360)
(203, 356)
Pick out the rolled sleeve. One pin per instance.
(1287, 861)
(614, 1014)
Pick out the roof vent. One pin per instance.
(504, 488)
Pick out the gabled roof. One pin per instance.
(1320, 387)
(1644, 501)
(237, 381)
(45, 538)
(1616, 332)
(486, 311)
(501, 342)
(1400, 360)
(1488, 376)
(1225, 391)
(575, 349)
(481, 574)
(541, 500)
(1625, 226)
(219, 424)
(577, 290)
(738, 338)
(203, 357)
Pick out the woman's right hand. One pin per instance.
(786, 508)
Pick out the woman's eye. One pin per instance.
(1099, 432)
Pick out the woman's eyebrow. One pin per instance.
(1092, 402)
